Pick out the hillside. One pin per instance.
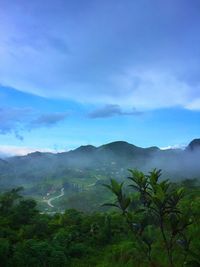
(81, 171)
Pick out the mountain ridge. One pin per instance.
(111, 159)
(116, 146)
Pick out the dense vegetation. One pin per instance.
(150, 223)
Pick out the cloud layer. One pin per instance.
(131, 53)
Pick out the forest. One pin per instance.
(150, 222)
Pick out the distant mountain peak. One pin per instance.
(35, 154)
(118, 144)
(125, 145)
(86, 148)
(195, 144)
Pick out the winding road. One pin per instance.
(53, 198)
(97, 179)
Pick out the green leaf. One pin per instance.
(180, 192)
(159, 193)
(107, 186)
(154, 176)
(125, 202)
(116, 187)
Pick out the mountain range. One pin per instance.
(109, 160)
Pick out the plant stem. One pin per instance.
(167, 246)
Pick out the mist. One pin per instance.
(110, 160)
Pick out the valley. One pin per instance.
(74, 179)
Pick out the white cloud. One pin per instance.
(177, 146)
(194, 104)
(6, 151)
(69, 57)
(152, 89)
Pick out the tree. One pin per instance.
(159, 208)
(9, 199)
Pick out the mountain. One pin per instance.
(85, 149)
(87, 165)
(3, 164)
(125, 149)
(194, 145)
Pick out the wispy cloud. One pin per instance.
(112, 110)
(153, 89)
(47, 120)
(11, 120)
(195, 104)
(17, 120)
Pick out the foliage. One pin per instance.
(159, 208)
(156, 223)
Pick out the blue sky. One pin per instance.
(91, 72)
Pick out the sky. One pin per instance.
(76, 72)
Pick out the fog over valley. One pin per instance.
(87, 165)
